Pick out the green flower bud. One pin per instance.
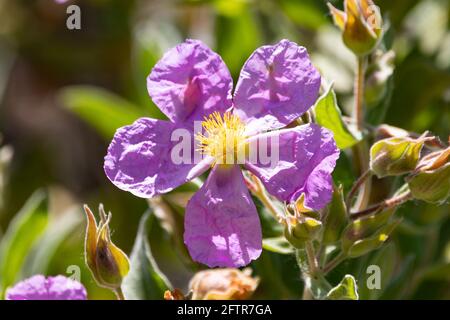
(395, 156)
(336, 217)
(364, 246)
(366, 228)
(431, 180)
(302, 225)
(108, 264)
(298, 230)
(360, 24)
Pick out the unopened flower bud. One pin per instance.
(431, 180)
(367, 232)
(301, 225)
(395, 156)
(299, 230)
(336, 218)
(108, 264)
(360, 23)
(364, 246)
(223, 284)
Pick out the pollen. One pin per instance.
(224, 138)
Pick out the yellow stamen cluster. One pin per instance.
(224, 138)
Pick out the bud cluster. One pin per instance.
(428, 175)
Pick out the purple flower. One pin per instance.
(52, 288)
(191, 83)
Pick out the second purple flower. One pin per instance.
(191, 83)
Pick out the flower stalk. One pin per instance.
(257, 189)
(334, 263)
(361, 151)
(386, 204)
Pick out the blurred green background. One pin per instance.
(64, 92)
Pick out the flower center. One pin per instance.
(224, 138)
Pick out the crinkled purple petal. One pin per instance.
(307, 157)
(140, 159)
(277, 84)
(190, 82)
(222, 227)
(52, 288)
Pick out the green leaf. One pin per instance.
(401, 281)
(144, 281)
(103, 110)
(278, 245)
(345, 290)
(386, 260)
(329, 116)
(44, 250)
(336, 218)
(26, 227)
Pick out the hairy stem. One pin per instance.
(312, 261)
(358, 112)
(258, 191)
(361, 150)
(358, 183)
(386, 204)
(334, 263)
(312, 271)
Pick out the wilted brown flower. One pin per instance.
(223, 284)
(175, 294)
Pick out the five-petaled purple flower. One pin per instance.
(191, 83)
(52, 288)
